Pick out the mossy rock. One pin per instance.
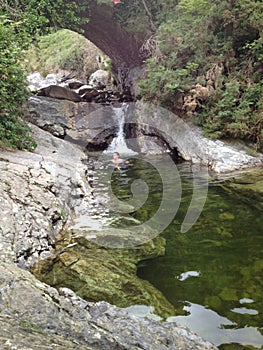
(247, 187)
(228, 294)
(98, 273)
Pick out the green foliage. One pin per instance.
(132, 15)
(40, 15)
(163, 83)
(235, 113)
(13, 132)
(62, 50)
(195, 35)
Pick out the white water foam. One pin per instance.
(118, 144)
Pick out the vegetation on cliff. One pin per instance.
(207, 63)
(13, 131)
(62, 51)
(204, 58)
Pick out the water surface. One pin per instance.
(212, 274)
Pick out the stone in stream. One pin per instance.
(99, 78)
(247, 186)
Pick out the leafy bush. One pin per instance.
(236, 113)
(13, 131)
(194, 36)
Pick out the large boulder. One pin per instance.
(36, 81)
(95, 124)
(34, 315)
(188, 140)
(60, 92)
(87, 123)
(38, 191)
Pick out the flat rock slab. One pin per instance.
(33, 311)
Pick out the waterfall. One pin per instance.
(118, 144)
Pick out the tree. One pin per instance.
(100, 21)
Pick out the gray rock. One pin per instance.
(92, 124)
(60, 92)
(188, 140)
(83, 122)
(36, 81)
(31, 311)
(38, 196)
(74, 84)
(84, 88)
(99, 78)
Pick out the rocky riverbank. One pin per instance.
(40, 194)
(44, 255)
(149, 129)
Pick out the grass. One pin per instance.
(63, 50)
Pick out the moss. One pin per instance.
(27, 325)
(97, 274)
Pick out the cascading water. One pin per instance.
(118, 144)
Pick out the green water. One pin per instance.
(212, 274)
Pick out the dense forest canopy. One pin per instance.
(204, 58)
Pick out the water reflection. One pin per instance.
(212, 274)
(215, 328)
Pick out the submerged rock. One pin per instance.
(96, 273)
(247, 187)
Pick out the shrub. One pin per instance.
(14, 133)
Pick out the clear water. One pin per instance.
(212, 274)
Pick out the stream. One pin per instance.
(211, 274)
